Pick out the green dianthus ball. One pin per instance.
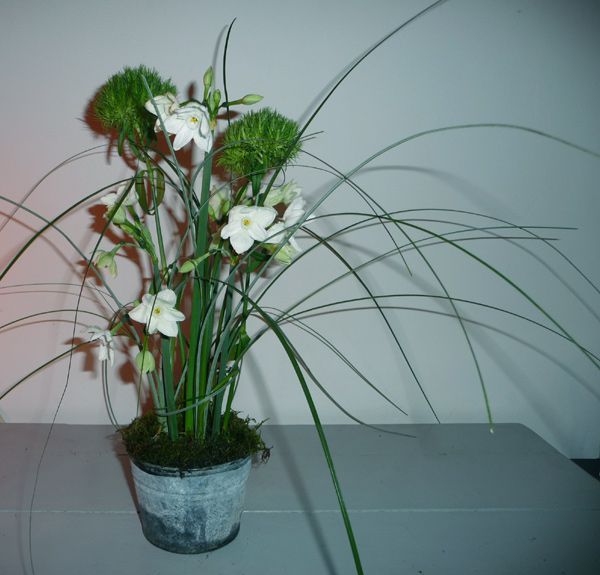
(120, 102)
(259, 142)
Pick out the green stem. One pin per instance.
(190, 415)
(195, 387)
(230, 395)
(203, 384)
(161, 245)
(225, 349)
(169, 392)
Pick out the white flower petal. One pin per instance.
(182, 138)
(168, 328)
(256, 232)
(103, 353)
(168, 296)
(152, 325)
(292, 241)
(98, 333)
(171, 314)
(109, 200)
(241, 242)
(111, 354)
(203, 142)
(274, 233)
(173, 124)
(140, 313)
(236, 214)
(148, 299)
(205, 126)
(166, 104)
(104, 338)
(294, 212)
(228, 229)
(264, 216)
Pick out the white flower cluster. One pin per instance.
(188, 121)
(249, 224)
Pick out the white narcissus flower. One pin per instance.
(166, 105)
(158, 313)
(112, 199)
(104, 337)
(294, 212)
(292, 215)
(283, 194)
(190, 122)
(246, 225)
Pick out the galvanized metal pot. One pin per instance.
(191, 511)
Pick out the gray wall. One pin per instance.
(518, 62)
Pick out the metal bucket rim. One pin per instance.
(162, 471)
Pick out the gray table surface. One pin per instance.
(454, 499)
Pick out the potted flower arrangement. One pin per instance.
(205, 274)
(190, 326)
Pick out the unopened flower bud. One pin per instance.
(107, 260)
(208, 78)
(285, 255)
(187, 266)
(250, 99)
(216, 99)
(145, 362)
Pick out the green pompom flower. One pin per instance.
(120, 102)
(259, 142)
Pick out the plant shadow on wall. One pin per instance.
(211, 240)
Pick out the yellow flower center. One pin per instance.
(194, 120)
(156, 311)
(246, 222)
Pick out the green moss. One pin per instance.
(146, 442)
(120, 102)
(258, 142)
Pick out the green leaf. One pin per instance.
(239, 348)
(140, 190)
(292, 353)
(150, 186)
(255, 260)
(159, 184)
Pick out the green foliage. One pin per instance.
(147, 442)
(120, 102)
(259, 142)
